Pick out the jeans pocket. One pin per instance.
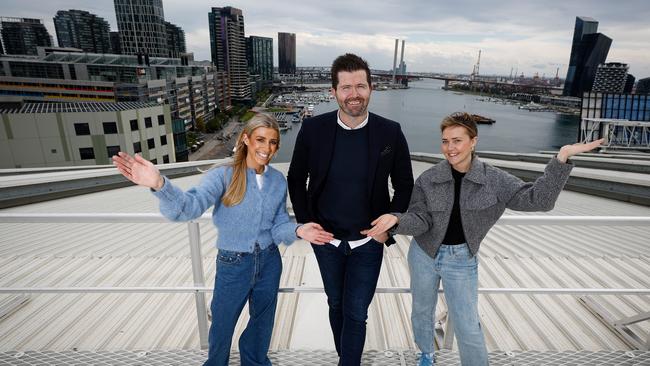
(228, 257)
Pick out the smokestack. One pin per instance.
(401, 60)
(395, 59)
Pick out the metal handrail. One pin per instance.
(153, 218)
(316, 290)
(199, 289)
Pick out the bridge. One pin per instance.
(471, 82)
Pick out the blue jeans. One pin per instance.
(242, 277)
(350, 278)
(458, 269)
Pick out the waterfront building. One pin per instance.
(192, 91)
(228, 49)
(588, 50)
(141, 24)
(610, 78)
(175, 40)
(643, 86)
(259, 54)
(83, 30)
(286, 53)
(65, 134)
(21, 36)
(632, 107)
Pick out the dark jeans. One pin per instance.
(244, 277)
(350, 278)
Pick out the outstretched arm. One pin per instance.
(175, 204)
(542, 194)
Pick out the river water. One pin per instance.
(420, 109)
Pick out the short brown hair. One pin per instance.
(462, 119)
(350, 63)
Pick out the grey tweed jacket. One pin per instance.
(485, 193)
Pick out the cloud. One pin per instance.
(442, 36)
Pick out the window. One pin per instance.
(110, 127)
(154, 161)
(161, 119)
(147, 122)
(151, 144)
(163, 140)
(137, 147)
(87, 153)
(81, 129)
(134, 124)
(112, 150)
(165, 159)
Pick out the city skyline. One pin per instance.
(528, 37)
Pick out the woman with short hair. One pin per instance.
(453, 206)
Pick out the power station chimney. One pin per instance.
(395, 59)
(401, 60)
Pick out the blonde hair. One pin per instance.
(237, 187)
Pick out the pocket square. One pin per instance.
(386, 151)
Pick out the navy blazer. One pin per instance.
(388, 157)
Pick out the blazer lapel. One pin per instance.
(374, 139)
(326, 148)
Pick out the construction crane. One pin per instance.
(476, 67)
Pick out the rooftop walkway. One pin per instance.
(321, 358)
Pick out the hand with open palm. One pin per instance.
(568, 151)
(138, 170)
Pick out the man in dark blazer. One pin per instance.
(347, 156)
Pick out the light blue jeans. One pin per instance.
(458, 269)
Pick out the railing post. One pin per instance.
(199, 281)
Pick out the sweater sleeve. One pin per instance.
(417, 220)
(177, 205)
(283, 230)
(539, 195)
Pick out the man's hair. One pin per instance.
(350, 63)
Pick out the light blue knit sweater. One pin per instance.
(260, 218)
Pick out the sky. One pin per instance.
(531, 37)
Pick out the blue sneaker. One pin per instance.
(426, 359)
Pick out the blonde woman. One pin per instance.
(249, 199)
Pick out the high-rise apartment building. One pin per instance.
(83, 30)
(228, 48)
(21, 36)
(286, 53)
(610, 78)
(259, 53)
(589, 49)
(141, 24)
(175, 40)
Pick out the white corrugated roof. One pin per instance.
(61, 255)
